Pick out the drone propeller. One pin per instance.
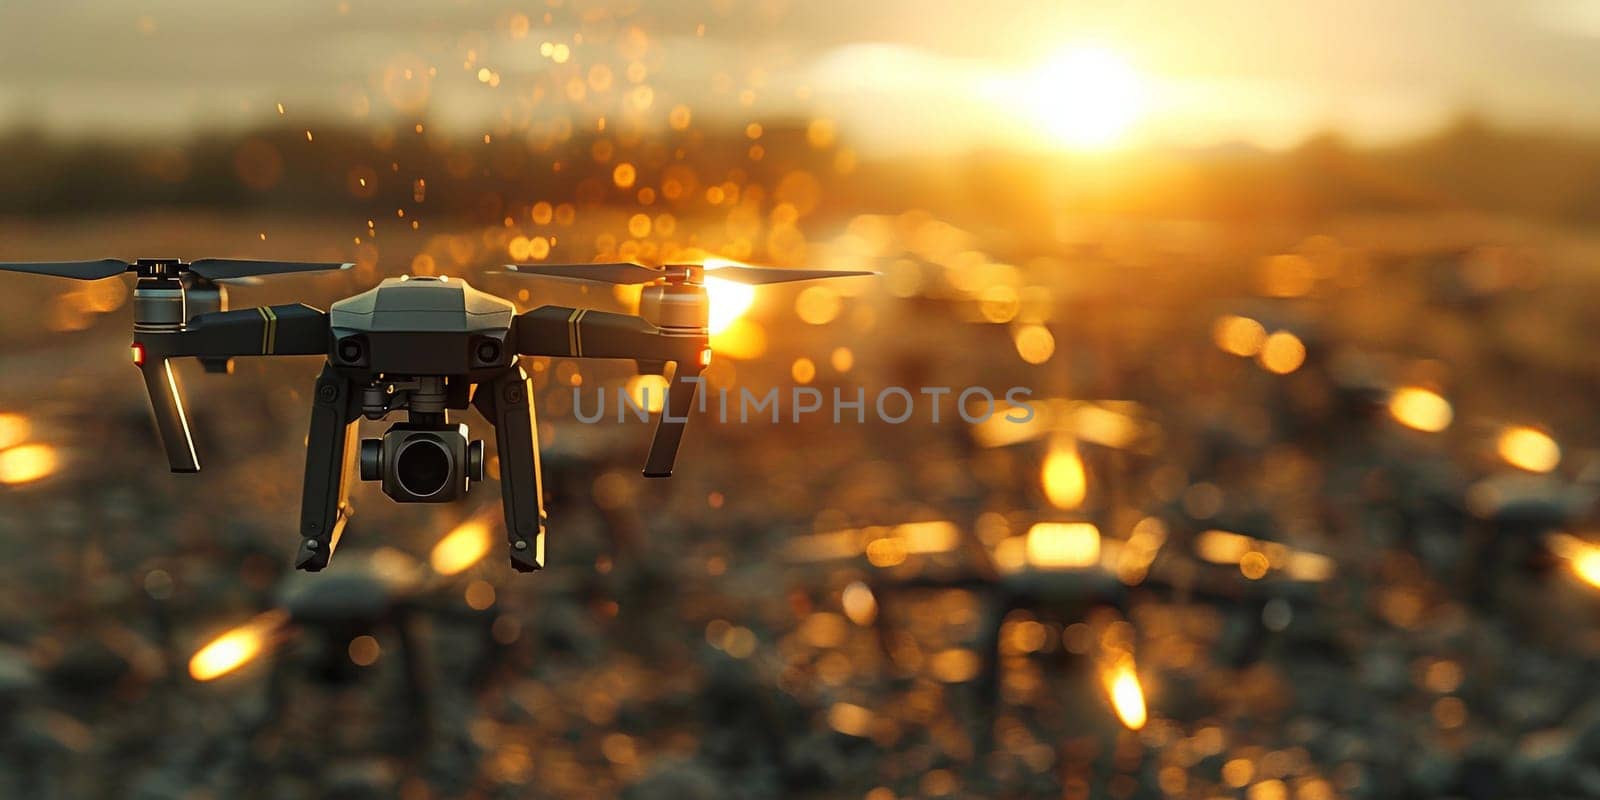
(214, 269)
(620, 272)
(77, 270)
(627, 272)
(224, 269)
(757, 276)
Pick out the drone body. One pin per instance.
(424, 346)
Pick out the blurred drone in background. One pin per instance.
(425, 345)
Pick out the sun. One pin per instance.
(1087, 97)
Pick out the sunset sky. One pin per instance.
(896, 76)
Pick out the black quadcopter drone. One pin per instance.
(426, 345)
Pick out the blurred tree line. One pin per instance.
(1470, 165)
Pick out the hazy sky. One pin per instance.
(896, 74)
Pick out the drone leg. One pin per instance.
(166, 400)
(669, 429)
(507, 401)
(330, 458)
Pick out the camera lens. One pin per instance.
(350, 350)
(423, 467)
(488, 351)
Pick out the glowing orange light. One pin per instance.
(1034, 343)
(480, 595)
(1223, 547)
(1529, 449)
(705, 356)
(1063, 545)
(138, 354)
(1240, 336)
(1587, 566)
(1310, 567)
(27, 463)
(729, 300)
(1063, 476)
(14, 430)
(859, 603)
(648, 392)
(1420, 409)
(1254, 565)
(818, 305)
(743, 339)
(928, 537)
(1584, 556)
(1127, 695)
(364, 651)
(850, 719)
(1256, 558)
(1282, 353)
(237, 647)
(886, 552)
(462, 547)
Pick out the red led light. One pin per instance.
(705, 357)
(138, 354)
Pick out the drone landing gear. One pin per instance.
(166, 402)
(507, 402)
(330, 461)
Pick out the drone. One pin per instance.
(425, 345)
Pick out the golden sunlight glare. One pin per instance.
(1088, 97)
(729, 300)
(236, 647)
(742, 339)
(462, 547)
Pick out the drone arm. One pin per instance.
(285, 330)
(507, 401)
(330, 460)
(584, 333)
(273, 330)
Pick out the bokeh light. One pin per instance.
(27, 463)
(464, 546)
(1421, 409)
(1528, 448)
(237, 646)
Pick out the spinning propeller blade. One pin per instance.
(78, 270)
(628, 272)
(222, 269)
(619, 272)
(755, 276)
